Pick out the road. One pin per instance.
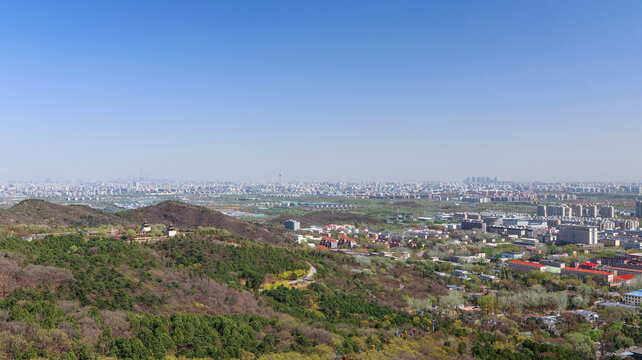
(308, 277)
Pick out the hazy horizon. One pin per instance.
(325, 91)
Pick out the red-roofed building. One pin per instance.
(329, 243)
(588, 265)
(603, 276)
(525, 266)
(623, 279)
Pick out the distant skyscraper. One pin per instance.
(541, 210)
(591, 211)
(638, 209)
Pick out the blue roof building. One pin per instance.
(633, 298)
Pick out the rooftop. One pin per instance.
(526, 263)
(587, 271)
(635, 293)
(625, 277)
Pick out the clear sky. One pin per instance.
(321, 90)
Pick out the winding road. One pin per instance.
(306, 278)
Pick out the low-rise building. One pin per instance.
(329, 243)
(525, 266)
(633, 298)
(145, 228)
(586, 314)
(623, 279)
(171, 231)
(489, 278)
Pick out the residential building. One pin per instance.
(590, 316)
(329, 243)
(292, 225)
(577, 234)
(607, 212)
(633, 298)
(489, 278)
(473, 225)
(623, 279)
(510, 255)
(578, 210)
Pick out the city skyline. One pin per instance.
(245, 91)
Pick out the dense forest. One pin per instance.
(199, 296)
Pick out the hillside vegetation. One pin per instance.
(38, 212)
(199, 297)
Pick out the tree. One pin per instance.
(452, 300)
(560, 301)
(487, 303)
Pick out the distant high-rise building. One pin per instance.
(554, 210)
(638, 209)
(607, 211)
(577, 234)
(292, 225)
(541, 210)
(578, 210)
(591, 211)
(559, 210)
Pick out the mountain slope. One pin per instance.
(40, 212)
(182, 215)
(185, 215)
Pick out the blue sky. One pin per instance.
(321, 90)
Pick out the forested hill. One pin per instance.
(202, 296)
(185, 215)
(182, 215)
(40, 212)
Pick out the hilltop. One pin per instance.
(185, 216)
(40, 212)
(182, 215)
